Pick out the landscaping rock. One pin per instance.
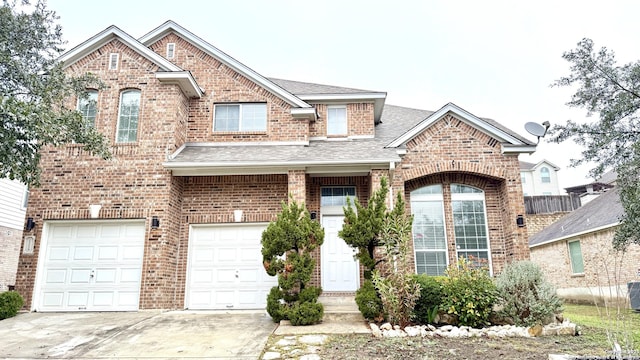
(271, 355)
(375, 330)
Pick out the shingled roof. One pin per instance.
(602, 212)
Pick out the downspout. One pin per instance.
(392, 168)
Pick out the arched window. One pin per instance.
(429, 236)
(545, 175)
(128, 116)
(469, 227)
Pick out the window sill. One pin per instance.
(239, 133)
(577, 275)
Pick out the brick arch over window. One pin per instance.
(438, 167)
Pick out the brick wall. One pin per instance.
(222, 84)
(10, 240)
(450, 151)
(603, 266)
(360, 121)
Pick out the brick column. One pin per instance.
(297, 186)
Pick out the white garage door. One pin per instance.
(225, 268)
(92, 266)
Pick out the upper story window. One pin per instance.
(240, 117)
(128, 116)
(88, 107)
(171, 49)
(337, 120)
(545, 175)
(113, 61)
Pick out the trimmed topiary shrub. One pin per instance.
(369, 302)
(287, 245)
(10, 303)
(525, 296)
(469, 293)
(428, 303)
(305, 313)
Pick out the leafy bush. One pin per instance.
(305, 313)
(10, 303)
(287, 245)
(430, 299)
(398, 290)
(368, 301)
(469, 293)
(524, 294)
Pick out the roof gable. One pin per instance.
(169, 72)
(527, 166)
(171, 27)
(511, 142)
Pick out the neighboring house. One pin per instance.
(205, 151)
(13, 205)
(539, 179)
(577, 255)
(590, 191)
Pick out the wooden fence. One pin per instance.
(548, 204)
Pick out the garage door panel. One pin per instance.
(80, 276)
(56, 276)
(232, 253)
(59, 253)
(91, 266)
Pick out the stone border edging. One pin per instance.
(498, 331)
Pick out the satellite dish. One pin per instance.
(535, 129)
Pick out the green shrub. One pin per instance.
(287, 245)
(430, 299)
(369, 303)
(524, 294)
(469, 293)
(398, 289)
(306, 313)
(10, 303)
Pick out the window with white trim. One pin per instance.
(545, 175)
(240, 117)
(25, 198)
(337, 196)
(575, 255)
(429, 236)
(128, 116)
(523, 178)
(171, 49)
(113, 61)
(429, 228)
(87, 106)
(337, 120)
(470, 224)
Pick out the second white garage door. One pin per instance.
(225, 268)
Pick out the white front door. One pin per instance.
(91, 266)
(225, 268)
(340, 271)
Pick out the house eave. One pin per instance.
(184, 80)
(317, 168)
(304, 113)
(108, 34)
(518, 149)
(580, 233)
(171, 27)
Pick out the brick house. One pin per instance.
(206, 150)
(577, 255)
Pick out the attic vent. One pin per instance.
(171, 47)
(113, 61)
(492, 142)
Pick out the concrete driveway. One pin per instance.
(143, 334)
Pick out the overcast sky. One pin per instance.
(494, 59)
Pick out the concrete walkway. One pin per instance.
(136, 335)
